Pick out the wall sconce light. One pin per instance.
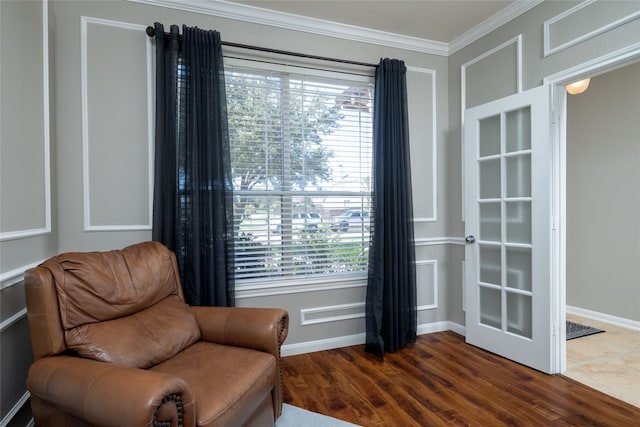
(578, 87)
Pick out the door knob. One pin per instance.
(470, 239)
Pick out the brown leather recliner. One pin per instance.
(114, 344)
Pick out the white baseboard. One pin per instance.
(603, 317)
(429, 328)
(324, 344)
(359, 339)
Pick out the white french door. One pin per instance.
(508, 227)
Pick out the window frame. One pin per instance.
(341, 279)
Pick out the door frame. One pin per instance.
(558, 81)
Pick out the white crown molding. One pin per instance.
(257, 15)
(517, 8)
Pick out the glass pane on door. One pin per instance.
(489, 136)
(491, 264)
(519, 176)
(519, 316)
(490, 222)
(518, 129)
(490, 307)
(518, 261)
(504, 208)
(518, 222)
(490, 177)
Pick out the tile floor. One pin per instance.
(609, 361)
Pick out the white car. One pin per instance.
(302, 220)
(351, 220)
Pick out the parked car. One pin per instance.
(302, 220)
(351, 219)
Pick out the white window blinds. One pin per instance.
(301, 152)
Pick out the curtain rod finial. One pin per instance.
(151, 31)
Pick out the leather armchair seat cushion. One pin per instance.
(229, 383)
(139, 340)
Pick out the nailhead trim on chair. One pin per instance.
(178, 402)
(284, 324)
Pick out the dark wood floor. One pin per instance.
(441, 381)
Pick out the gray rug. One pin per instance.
(576, 330)
(293, 416)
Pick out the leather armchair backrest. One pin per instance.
(78, 288)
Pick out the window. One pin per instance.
(301, 152)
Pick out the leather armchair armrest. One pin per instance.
(263, 329)
(103, 394)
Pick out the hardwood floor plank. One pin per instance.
(442, 381)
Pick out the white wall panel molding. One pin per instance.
(332, 313)
(16, 276)
(427, 299)
(602, 18)
(9, 279)
(12, 319)
(463, 91)
(518, 62)
(422, 220)
(598, 65)
(90, 224)
(15, 409)
(46, 144)
(437, 241)
(464, 285)
(434, 144)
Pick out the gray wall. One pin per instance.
(514, 58)
(603, 195)
(99, 182)
(26, 184)
(102, 75)
(101, 71)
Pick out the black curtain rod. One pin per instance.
(151, 32)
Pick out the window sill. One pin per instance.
(273, 287)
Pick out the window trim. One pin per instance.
(274, 285)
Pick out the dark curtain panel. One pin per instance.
(193, 200)
(391, 289)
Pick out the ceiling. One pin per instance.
(434, 20)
